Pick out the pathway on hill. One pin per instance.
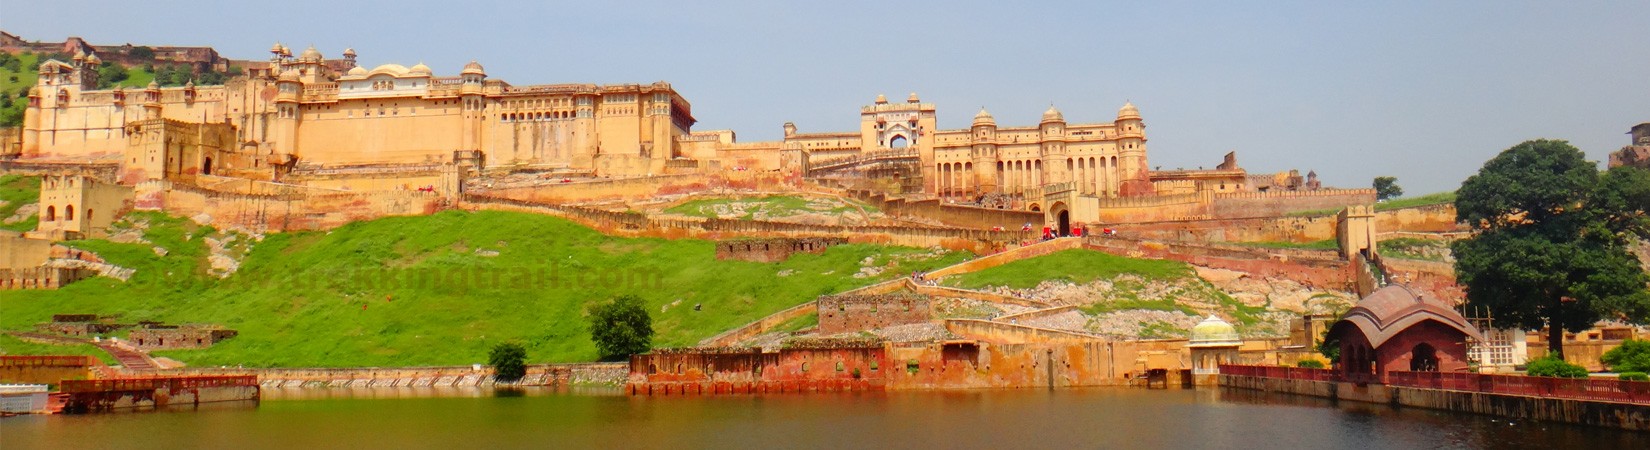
(130, 359)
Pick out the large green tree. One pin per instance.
(1550, 242)
(1386, 188)
(621, 328)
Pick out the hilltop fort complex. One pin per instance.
(300, 141)
(306, 124)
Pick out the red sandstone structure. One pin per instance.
(1397, 328)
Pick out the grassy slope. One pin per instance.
(11, 345)
(16, 191)
(773, 206)
(296, 303)
(1077, 266)
(1411, 202)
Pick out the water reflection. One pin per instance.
(604, 418)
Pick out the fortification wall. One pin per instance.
(1322, 269)
(41, 277)
(772, 250)
(847, 313)
(1256, 229)
(848, 366)
(1008, 256)
(270, 212)
(640, 188)
(1274, 204)
(1439, 218)
(1007, 333)
(950, 215)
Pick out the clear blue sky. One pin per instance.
(1425, 91)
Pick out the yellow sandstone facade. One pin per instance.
(330, 124)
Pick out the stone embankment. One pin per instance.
(555, 375)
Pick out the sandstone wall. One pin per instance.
(845, 313)
(1438, 218)
(1274, 204)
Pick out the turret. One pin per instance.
(473, 79)
(984, 151)
(790, 129)
(1135, 178)
(288, 89)
(151, 101)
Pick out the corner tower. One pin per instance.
(1133, 172)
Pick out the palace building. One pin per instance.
(320, 123)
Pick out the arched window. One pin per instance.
(51, 213)
(898, 142)
(68, 212)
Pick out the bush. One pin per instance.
(1634, 376)
(621, 328)
(1310, 364)
(1550, 366)
(1632, 356)
(509, 361)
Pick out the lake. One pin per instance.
(1025, 418)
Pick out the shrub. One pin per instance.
(1632, 356)
(509, 361)
(621, 328)
(1310, 364)
(1551, 366)
(1634, 376)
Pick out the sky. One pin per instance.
(1426, 91)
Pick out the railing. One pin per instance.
(154, 383)
(47, 361)
(1288, 373)
(1571, 388)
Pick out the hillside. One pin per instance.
(345, 297)
(1146, 298)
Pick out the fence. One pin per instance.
(1637, 392)
(47, 361)
(150, 384)
(1289, 373)
(1570, 388)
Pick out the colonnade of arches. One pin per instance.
(1093, 175)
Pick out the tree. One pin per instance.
(110, 74)
(621, 328)
(1554, 366)
(1632, 356)
(142, 52)
(1386, 188)
(509, 361)
(1550, 246)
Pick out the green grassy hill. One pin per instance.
(298, 298)
(16, 191)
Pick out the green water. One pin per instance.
(1028, 418)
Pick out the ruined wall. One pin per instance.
(772, 250)
(996, 332)
(42, 277)
(186, 337)
(849, 313)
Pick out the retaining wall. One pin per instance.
(1606, 414)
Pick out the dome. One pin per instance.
(1391, 309)
(79, 55)
(310, 54)
(881, 99)
(473, 68)
(349, 52)
(93, 59)
(1128, 111)
(419, 69)
(984, 118)
(153, 85)
(275, 48)
(358, 71)
(288, 75)
(1053, 115)
(286, 51)
(912, 98)
(1213, 332)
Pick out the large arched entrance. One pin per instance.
(206, 167)
(1062, 218)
